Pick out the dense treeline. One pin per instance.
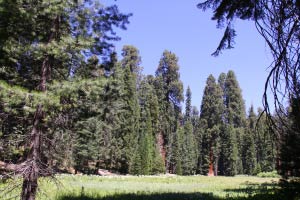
(111, 116)
(69, 104)
(63, 107)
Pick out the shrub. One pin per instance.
(272, 174)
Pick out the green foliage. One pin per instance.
(225, 12)
(210, 123)
(230, 152)
(179, 151)
(169, 90)
(272, 174)
(265, 144)
(235, 108)
(101, 113)
(235, 117)
(248, 149)
(152, 162)
(274, 26)
(131, 59)
(188, 104)
(130, 116)
(189, 150)
(42, 42)
(168, 70)
(289, 134)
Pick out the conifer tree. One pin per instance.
(189, 150)
(188, 106)
(234, 115)
(188, 146)
(265, 145)
(178, 154)
(168, 73)
(234, 102)
(147, 147)
(149, 103)
(130, 116)
(210, 123)
(229, 151)
(169, 92)
(132, 59)
(289, 134)
(248, 148)
(46, 48)
(111, 144)
(289, 142)
(195, 118)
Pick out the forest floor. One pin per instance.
(75, 187)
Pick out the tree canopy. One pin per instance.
(277, 21)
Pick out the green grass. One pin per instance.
(70, 187)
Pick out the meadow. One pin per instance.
(74, 187)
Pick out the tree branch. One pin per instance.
(9, 166)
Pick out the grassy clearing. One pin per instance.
(69, 187)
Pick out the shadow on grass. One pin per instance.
(254, 189)
(154, 196)
(284, 190)
(171, 196)
(265, 191)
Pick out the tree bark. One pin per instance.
(216, 166)
(34, 164)
(32, 170)
(161, 145)
(45, 70)
(211, 165)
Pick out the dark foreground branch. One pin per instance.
(9, 166)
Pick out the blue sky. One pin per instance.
(179, 26)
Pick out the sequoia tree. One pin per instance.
(169, 92)
(210, 124)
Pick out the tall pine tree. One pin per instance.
(169, 91)
(131, 118)
(210, 125)
(44, 41)
(234, 120)
(248, 148)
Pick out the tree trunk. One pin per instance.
(211, 165)
(161, 144)
(29, 187)
(33, 162)
(32, 172)
(216, 166)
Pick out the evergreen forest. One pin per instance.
(70, 104)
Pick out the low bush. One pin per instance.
(272, 174)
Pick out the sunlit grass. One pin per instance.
(68, 187)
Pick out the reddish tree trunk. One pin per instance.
(161, 144)
(31, 174)
(33, 161)
(211, 166)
